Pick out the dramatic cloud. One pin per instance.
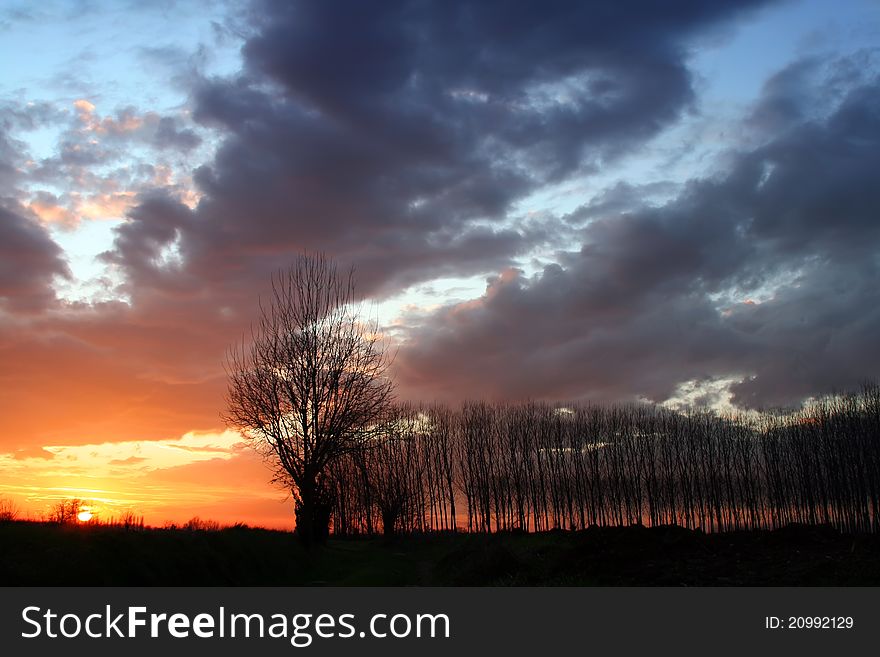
(409, 176)
(29, 261)
(768, 276)
(399, 137)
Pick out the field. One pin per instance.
(49, 554)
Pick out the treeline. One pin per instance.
(536, 466)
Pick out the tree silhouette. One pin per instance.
(311, 384)
(8, 510)
(65, 512)
(537, 466)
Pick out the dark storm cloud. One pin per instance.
(29, 258)
(658, 296)
(783, 97)
(29, 261)
(382, 132)
(808, 88)
(170, 135)
(621, 198)
(140, 243)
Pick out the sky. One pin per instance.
(611, 201)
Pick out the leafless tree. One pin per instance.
(311, 385)
(538, 466)
(65, 512)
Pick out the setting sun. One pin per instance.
(84, 516)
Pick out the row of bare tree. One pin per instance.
(310, 390)
(495, 467)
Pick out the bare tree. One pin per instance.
(65, 512)
(311, 385)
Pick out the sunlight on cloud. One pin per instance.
(135, 475)
(418, 299)
(763, 291)
(709, 394)
(52, 213)
(119, 459)
(169, 255)
(103, 206)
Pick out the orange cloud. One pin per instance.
(76, 206)
(52, 213)
(103, 206)
(125, 122)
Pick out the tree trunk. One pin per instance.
(313, 514)
(389, 520)
(305, 515)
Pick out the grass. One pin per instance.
(48, 554)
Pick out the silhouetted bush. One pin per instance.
(197, 524)
(8, 510)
